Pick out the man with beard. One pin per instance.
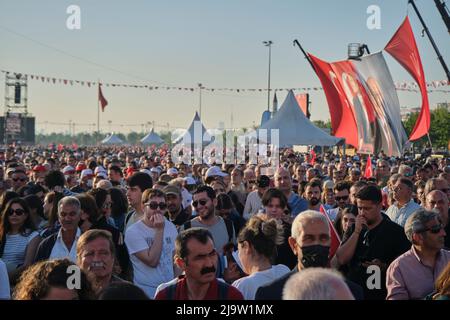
(313, 191)
(196, 256)
(374, 241)
(175, 212)
(63, 243)
(310, 241)
(95, 256)
(222, 230)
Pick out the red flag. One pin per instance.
(403, 48)
(302, 100)
(368, 173)
(101, 98)
(342, 119)
(335, 239)
(60, 147)
(313, 157)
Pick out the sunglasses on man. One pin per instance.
(201, 202)
(154, 205)
(434, 229)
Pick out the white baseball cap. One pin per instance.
(215, 171)
(172, 171)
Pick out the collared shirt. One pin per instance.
(400, 215)
(252, 205)
(60, 250)
(297, 204)
(409, 278)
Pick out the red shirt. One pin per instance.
(181, 292)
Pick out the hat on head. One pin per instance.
(215, 171)
(87, 173)
(189, 180)
(39, 168)
(68, 170)
(102, 174)
(172, 171)
(80, 166)
(170, 189)
(263, 181)
(155, 169)
(99, 169)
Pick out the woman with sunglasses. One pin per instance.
(151, 244)
(18, 238)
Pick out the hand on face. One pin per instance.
(157, 221)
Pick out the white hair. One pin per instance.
(304, 217)
(315, 284)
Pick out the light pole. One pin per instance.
(200, 99)
(268, 44)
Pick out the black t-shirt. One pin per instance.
(181, 218)
(385, 242)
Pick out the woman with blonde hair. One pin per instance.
(257, 244)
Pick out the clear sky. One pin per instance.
(183, 43)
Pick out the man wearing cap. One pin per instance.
(38, 174)
(283, 182)
(253, 203)
(70, 175)
(154, 173)
(212, 173)
(172, 172)
(86, 183)
(175, 212)
(413, 274)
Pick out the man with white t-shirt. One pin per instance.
(253, 203)
(151, 244)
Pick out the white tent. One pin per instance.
(294, 128)
(196, 133)
(152, 138)
(112, 139)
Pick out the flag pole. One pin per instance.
(98, 111)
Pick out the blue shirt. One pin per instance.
(297, 204)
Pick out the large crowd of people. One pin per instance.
(129, 223)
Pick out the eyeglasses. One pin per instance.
(154, 205)
(434, 229)
(21, 179)
(343, 198)
(201, 202)
(17, 212)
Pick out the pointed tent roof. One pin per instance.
(152, 138)
(192, 132)
(112, 139)
(294, 128)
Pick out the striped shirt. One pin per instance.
(15, 248)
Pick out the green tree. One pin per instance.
(439, 128)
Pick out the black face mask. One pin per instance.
(315, 256)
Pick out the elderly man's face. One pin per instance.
(69, 217)
(283, 180)
(96, 257)
(437, 200)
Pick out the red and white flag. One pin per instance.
(101, 98)
(335, 239)
(368, 173)
(403, 48)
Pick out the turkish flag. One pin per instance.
(368, 173)
(403, 48)
(101, 98)
(335, 239)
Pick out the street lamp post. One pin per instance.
(268, 44)
(200, 99)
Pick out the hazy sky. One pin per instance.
(183, 43)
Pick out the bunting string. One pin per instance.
(400, 86)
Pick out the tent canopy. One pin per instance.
(152, 138)
(112, 139)
(294, 127)
(195, 134)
